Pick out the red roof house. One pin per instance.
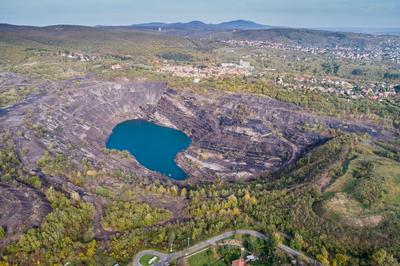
(239, 262)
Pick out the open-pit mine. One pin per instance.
(233, 136)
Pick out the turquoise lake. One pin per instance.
(153, 146)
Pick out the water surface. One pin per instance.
(153, 146)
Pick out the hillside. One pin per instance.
(199, 25)
(171, 34)
(86, 37)
(316, 38)
(250, 31)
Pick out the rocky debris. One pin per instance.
(22, 207)
(8, 79)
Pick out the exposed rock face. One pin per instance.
(22, 207)
(233, 135)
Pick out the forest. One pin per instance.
(283, 206)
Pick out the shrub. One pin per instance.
(356, 72)
(2, 232)
(365, 170)
(176, 56)
(370, 190)
(101, 191)
(35, 181)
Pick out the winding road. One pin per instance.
(165, 258)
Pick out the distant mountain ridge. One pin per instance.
(376, 31)
(229, 25)
(195, 30)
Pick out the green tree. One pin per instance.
(365, 170)
(382, 257)
(2, 232)
(370, 191)
(323, 257)
(171, 239)
(341, 260)
(174, 190)
(183, 193)
(232, 201)
(35, 181)
(270, 248)
(297, 242)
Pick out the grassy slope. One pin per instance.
(204, 258)
(340, 203)
(144, 260)
(210, 256)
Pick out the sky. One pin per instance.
(292, 13)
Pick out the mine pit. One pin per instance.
(233, 135)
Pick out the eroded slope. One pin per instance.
(232, 135)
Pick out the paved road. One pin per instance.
(202, 245)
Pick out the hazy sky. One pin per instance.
(295, 13)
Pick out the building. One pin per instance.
(238, 262)
(116, 67)
(244, 64)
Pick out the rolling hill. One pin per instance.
(199, 25)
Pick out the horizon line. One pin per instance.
(202, 21)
